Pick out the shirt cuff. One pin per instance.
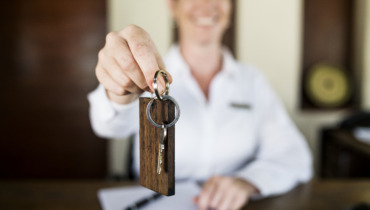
(269, 180)
(123, 107)
(104, 108)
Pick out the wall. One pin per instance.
(151, 15)
(269, 36)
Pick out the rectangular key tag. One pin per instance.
(162, 112)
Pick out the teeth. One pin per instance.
(205, 21)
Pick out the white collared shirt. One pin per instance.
(242, 130)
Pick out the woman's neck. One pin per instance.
(205, 61)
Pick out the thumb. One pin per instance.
(145, 54)
(196, 199)
(163, 78)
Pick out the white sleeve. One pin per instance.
(283, 158)
(111, 120)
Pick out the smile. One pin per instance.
(205, 21)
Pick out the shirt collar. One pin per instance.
(176, 63)
(230, 65)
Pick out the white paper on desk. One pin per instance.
(362, 134)
(120, 198)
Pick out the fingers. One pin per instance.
(144, 52)
(221, 192)
(226, 202)
(128, 62)
(208, 191)
(239, 201)
(122, 64)
(218, 196)
(129, 82)
(107, 81)
(196, 199)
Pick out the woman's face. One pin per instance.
(201, 21)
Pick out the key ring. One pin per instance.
(177, 113)
(155, 86)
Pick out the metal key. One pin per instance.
(162, 138)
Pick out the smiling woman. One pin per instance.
(238, 153)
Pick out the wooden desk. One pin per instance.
(71, 195)
(343, 156)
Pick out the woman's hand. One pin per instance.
(127, 64)
(222, 192)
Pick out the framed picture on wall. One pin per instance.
(328, 73)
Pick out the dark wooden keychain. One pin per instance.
(158, 116)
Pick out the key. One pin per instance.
(158, 116)
(160, 158)
(162, 138)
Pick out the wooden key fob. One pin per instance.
(161, 111)
(158, 116)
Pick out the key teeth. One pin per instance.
(159, 168)
(160, 159)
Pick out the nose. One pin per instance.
(206, 6)
(206, 2)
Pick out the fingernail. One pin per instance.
(148, 89)
(152, 87)
(161, 87)
(170, 78)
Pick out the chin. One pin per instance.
(206, 38)
(205, 41)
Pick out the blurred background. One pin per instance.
(315, 53)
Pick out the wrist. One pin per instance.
(124, 99)
(251, 188)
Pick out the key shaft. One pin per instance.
(162, 138)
